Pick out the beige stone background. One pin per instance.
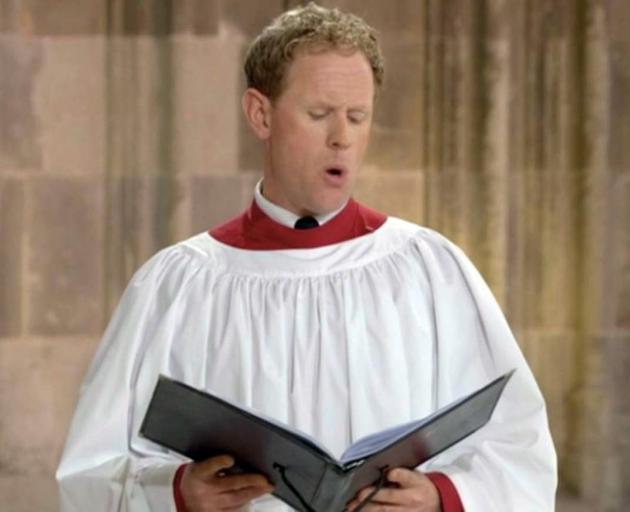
(504, 124)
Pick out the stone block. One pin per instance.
(434, 19)
(39, 384)
(567, 502)
(200, 17)
(143, 210)
(619, 272)
(552, 358)
(8, 16)
(144, 214)
(467, 207)
(604, 447)
(11, 256)
(396, 134)
(215, 199)
(400, 17)
(64, 266)
(490, 20)
(249, 18)
(617, 362)
(542, 250)
(58, 17)
(619, 109)
(135, 18)
(164, 18)
(70, 100)
(581, 446)
(398, 194)
(140, 106)
(20, 62)
(18, 493)
(540, 20)
(445, 195)
(207, 105)
(617, 20)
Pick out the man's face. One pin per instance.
(319, 128)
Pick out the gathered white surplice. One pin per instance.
(338, 341)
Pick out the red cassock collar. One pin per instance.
(254, 230)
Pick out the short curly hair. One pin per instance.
(312, 27)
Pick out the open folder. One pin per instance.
(305, 474)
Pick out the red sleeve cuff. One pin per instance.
(449, 497)
(180, 506)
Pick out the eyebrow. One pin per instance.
(329, 107)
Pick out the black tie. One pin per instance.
(306, 223)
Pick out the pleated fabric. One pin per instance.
(338, 341)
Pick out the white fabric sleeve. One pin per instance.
(105, 466)
(510, 464)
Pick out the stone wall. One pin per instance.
(504, 124)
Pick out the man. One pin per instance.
(359, 323)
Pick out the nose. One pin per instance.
(339, 134)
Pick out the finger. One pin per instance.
(364, 493)
(354, 503)
(242, 496)
(366, 490)
(386, 496)
(376, 499)
(405, 477)
(236, 482)
(210, 467)
(360, 497)
(378, 507)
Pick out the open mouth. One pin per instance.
(334, 172)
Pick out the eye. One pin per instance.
(317, 114)
(357, 117)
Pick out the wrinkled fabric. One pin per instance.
(338, 341)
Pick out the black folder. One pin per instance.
(305, 475)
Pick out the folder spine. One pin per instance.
(332, 492)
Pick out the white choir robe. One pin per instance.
(339, 341)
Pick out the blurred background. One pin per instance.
(504, 124)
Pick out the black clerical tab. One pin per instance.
(306, 223)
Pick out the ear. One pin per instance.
(257, 110)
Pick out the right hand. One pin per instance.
(205, 489)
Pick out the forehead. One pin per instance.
(330, 76)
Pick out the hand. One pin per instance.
(412, 491)
(205, 488)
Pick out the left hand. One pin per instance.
(413, 492)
